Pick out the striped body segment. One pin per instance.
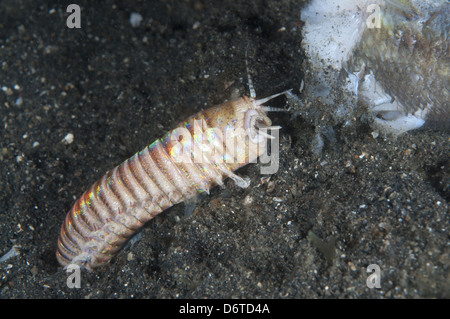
(187, 161)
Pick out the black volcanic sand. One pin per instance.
(310, 231)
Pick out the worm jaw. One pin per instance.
(255, 120)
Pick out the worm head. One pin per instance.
(256, 121)
(244, 126)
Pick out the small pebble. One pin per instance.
(135, 19)
(248, 200)
(19, 101)
(68, 139)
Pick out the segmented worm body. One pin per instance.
(199, 154)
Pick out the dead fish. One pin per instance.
(389, 56)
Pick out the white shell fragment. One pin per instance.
(135, 19)
(68, 139)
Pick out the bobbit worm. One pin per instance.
(197, 155)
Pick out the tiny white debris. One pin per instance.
(196, 25)
(68, 139)
(248, 200)
(130, 256)
(135, 19)
(35, 144)
(19, 101)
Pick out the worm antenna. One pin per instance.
(266, 135)
(250, 82)
(274, 109)
(264, 100)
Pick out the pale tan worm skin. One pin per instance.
(120, 203)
